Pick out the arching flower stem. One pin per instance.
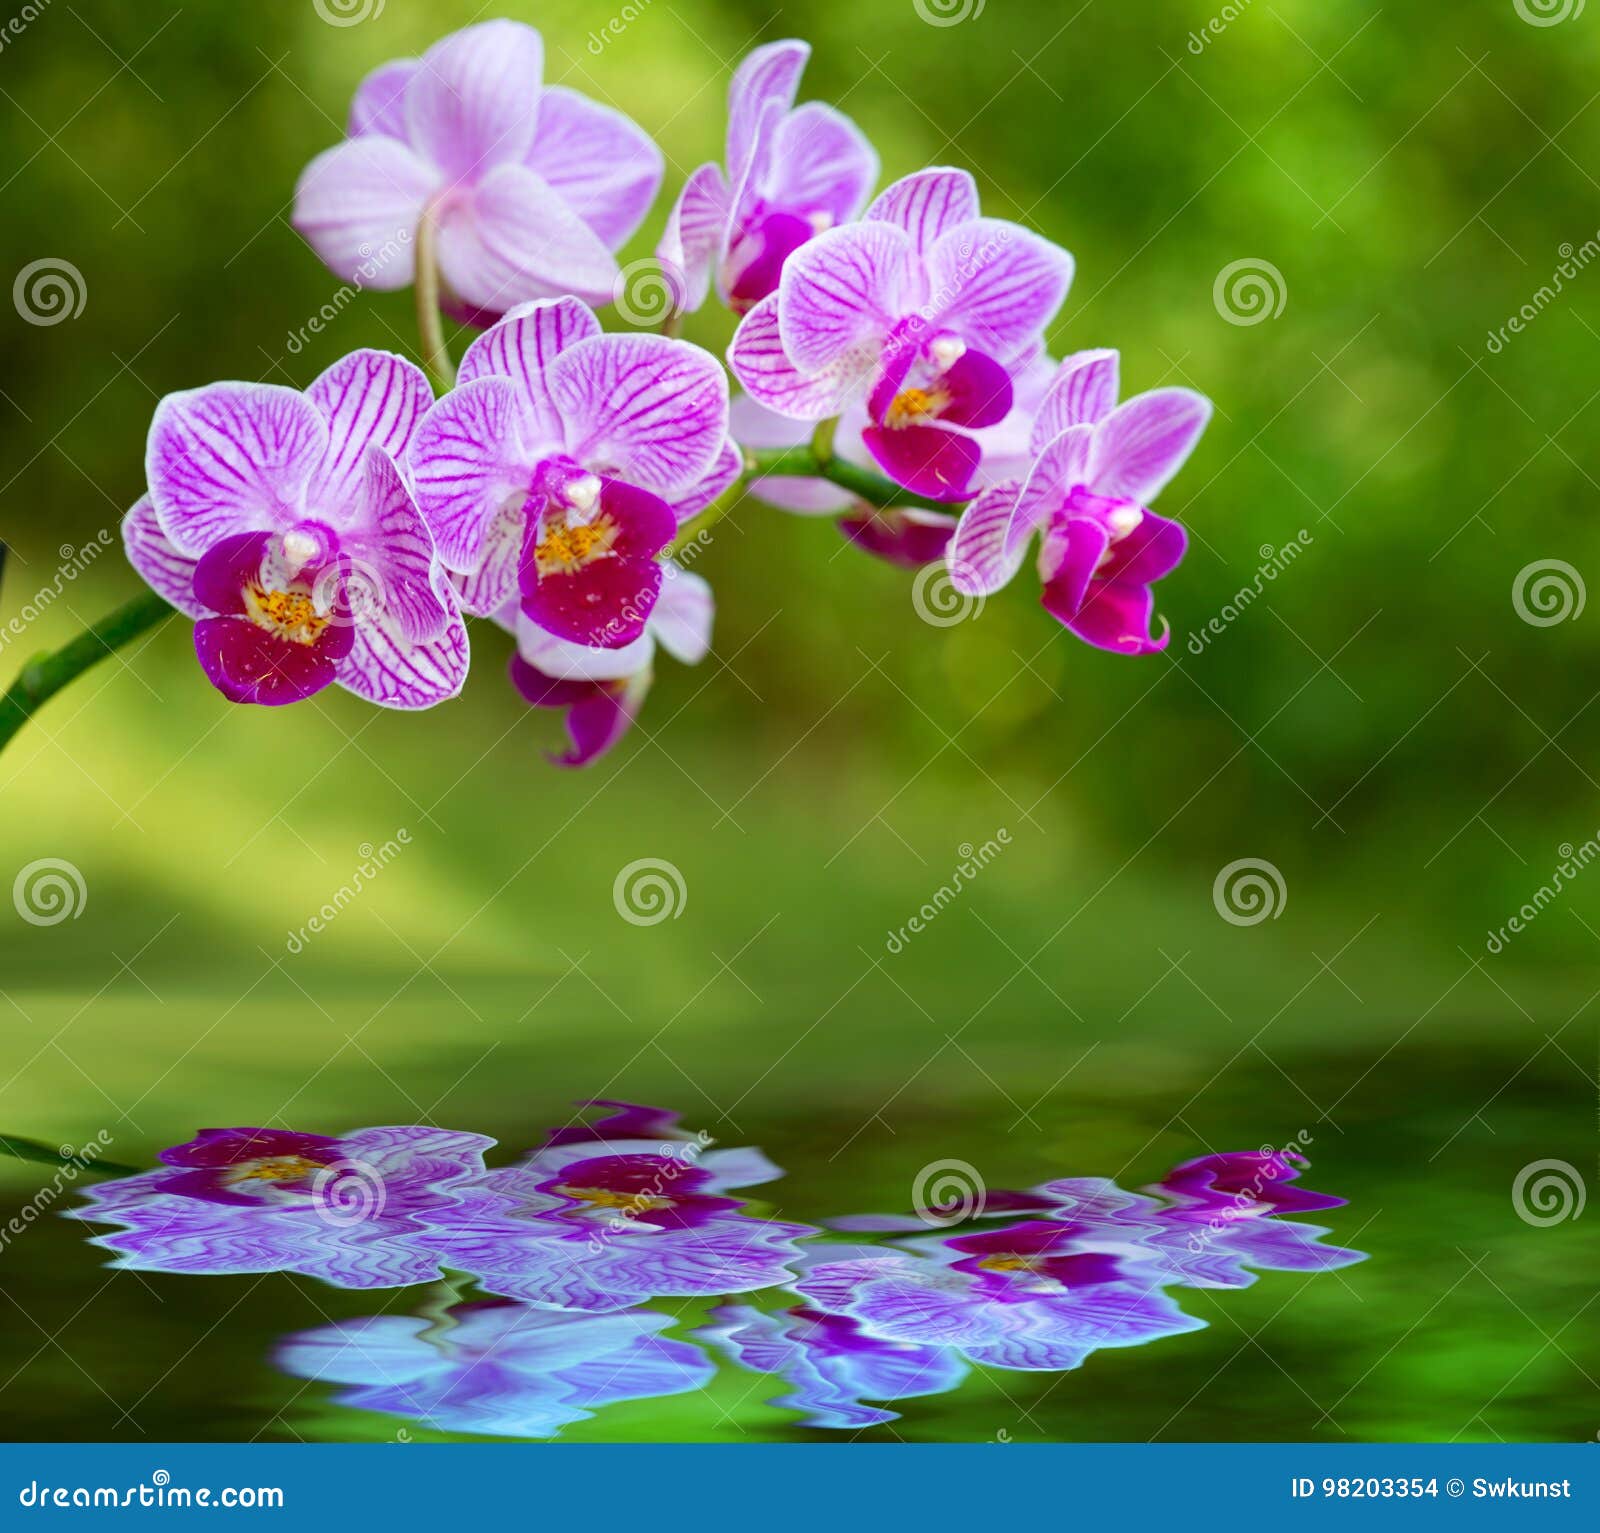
(430, 322)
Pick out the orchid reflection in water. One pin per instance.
(551, 1266)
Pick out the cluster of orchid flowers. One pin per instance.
(568, 1246)
(892, 372)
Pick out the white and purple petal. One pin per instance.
(369, 398)
(996, 284)
(841, 293)
(167, 572)
(694, 236)
(474, 102)
(379, 102)
(651, 410)
(606, 167)
(1082, 393)
(358, 205)
(1141, 444)
(760, 363)
(822, 165)
(231, 458)
(467, 466)
(392, 555)
(927, 204)
(767, 78)
(516, 238)
(393, 674)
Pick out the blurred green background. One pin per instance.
(1380, 725)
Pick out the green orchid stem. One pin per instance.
(430, 323)
(41, 1154)
(813, 460)
(865, 485)
(46, 674)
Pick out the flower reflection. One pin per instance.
(595, 1222)
(496, 1367)
(567, 1246)
(1025, 1297)
(1206, 1224)
(830, 1363)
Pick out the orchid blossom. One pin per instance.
(527, 189)
(1097, 465)
(792, 172)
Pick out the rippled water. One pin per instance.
(630, 1281)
